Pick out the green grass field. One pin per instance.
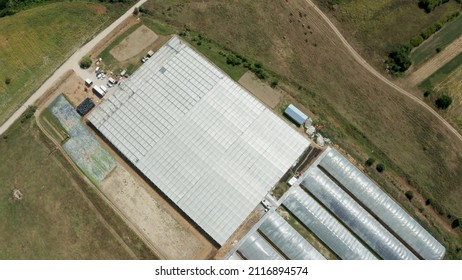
(378, 27)
(52, 220)
(450, 32)
(34, 42)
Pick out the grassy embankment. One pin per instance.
(361, 114)
(34, 42)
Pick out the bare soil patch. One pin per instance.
(75, 90)
(172, 239)
(435, 63)
(17, 194)
(268, 95)
(140, 39)
(100, 9)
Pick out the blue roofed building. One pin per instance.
(295, 115)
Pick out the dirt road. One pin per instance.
(436, 62)
(71, 64)
(369, 68)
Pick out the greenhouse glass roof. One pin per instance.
(202, 139)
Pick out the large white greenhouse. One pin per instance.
(202, 139)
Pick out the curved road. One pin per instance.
(366, 65)
(71, 64)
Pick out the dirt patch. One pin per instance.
(140, 39)
(17, 194)
(438, 61)
(100, 9)
(75, 90)
(268, 95)
(172, 239)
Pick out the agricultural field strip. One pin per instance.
(369, 68)
(435, 63)
(443, 38)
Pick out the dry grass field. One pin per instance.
(365, 116)
(50, 218)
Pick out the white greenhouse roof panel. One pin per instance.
(356, 218)
(325, 226)
(256, 248)
(202, 139)
(287, 239)
(379, 203)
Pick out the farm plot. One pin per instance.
(440, 40)
(451, 86)
(82, 146)
(135, 43)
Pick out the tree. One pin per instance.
(274, 83)
(85, 62)
(409, 195)
(370, 161)
(443, 102)
(136, 11)
(380, 167)
(399, 61)
(455, 223)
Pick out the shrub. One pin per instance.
(409, 195)
(428, 201)
(85, 62)
(7, 80)
(416, 41)
(380, 167)
(428, 93)
(399, 61)
(443, 102)
(438, 49)
(233, 60)
(258, 64)
(455, 223)
(261, 74)
(136, 11)
(370, 161)
(274, 83)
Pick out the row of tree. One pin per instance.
(430, 5)
(399, 60)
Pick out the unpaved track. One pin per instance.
(369, 68)
(71, 64)
(436, 62)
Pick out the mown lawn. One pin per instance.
(52, 220)
(450, 32)
(34, 42)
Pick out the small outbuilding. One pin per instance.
(297, 116)
(150, 53)
(88, 82)
(98, 91)
(85, 107)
